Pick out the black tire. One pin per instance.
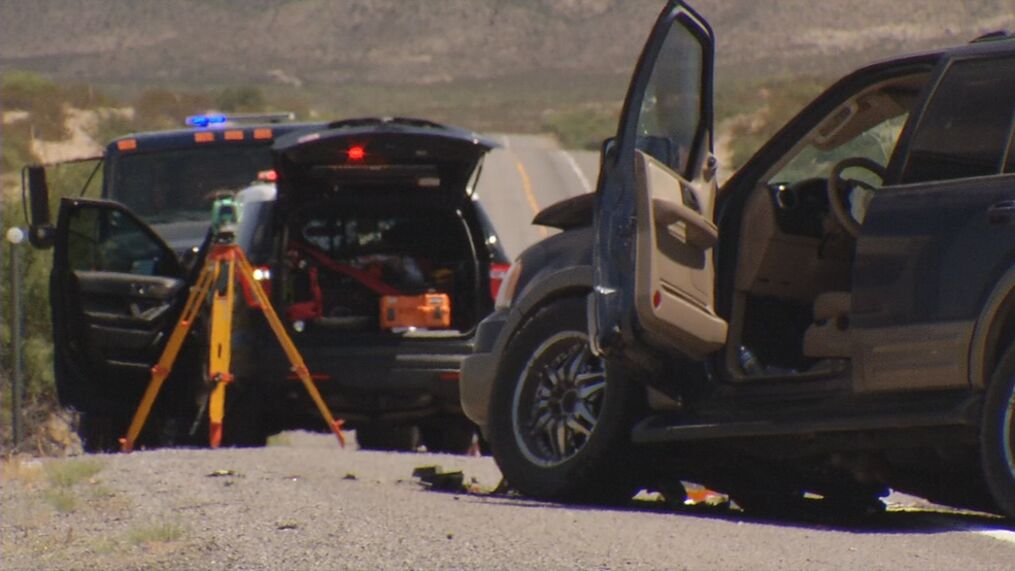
(557, 460)
(997, 435)
(244, 424)
(100, 432)
(388, 438)
(448, 435)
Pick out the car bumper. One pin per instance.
(363, 382)
(479, 370)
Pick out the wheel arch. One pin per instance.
(572, 281)
(993, 332)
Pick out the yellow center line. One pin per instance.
(529, 195)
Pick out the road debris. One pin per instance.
(435, 478)
(224, 474)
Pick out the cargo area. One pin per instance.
(391, 268)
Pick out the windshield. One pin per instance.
(179, 185)
(867, 125)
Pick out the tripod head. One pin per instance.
(225, 215)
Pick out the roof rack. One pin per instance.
(263, 117)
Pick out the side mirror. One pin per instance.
(41, 234)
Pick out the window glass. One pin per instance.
(965, 130)
(181, 184)
(671, 110)
(105, 240)
(817, 159)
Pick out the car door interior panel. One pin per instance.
(122, 286)
(674, 261)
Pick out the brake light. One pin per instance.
(497, 273)
(509, 282)
(356, 153)
(270, 175)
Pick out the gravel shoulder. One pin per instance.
(304, 503)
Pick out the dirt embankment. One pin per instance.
(336, 42)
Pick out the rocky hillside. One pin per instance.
(330, 42)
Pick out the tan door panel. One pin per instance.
(675, 279)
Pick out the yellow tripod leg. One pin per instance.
(220, 351)
(295, 359)
(164, 366)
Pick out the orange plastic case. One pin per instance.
(426, 311)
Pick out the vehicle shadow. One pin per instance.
(895, 520)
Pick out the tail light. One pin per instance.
(262, 275)
(506, 291)
(497, 273)
(356, 153)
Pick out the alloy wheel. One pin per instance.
(557, 400)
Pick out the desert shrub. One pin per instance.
(241, 100)
(164, 109)
(583, 128)
(17, 148)
(43, 99)
(754, 110)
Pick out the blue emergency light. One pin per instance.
(206, 120)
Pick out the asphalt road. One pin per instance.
(529, 173)
(306, 504)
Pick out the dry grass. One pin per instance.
(155, 532)
(22, 469)
(62, 500)
(68, 473)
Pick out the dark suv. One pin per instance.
(838, 319)
(372, 220)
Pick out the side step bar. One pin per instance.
(667, 428)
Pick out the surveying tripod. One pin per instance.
(218, 278)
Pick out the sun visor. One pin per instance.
(381, 155)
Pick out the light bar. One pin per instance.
(206, 120)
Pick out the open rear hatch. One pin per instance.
(378, 154)
(377, 236)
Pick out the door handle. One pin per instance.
(1002, 213)
(697, 231)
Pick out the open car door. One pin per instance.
(653, 257)
(116, 291)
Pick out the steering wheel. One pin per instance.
(839, 190)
